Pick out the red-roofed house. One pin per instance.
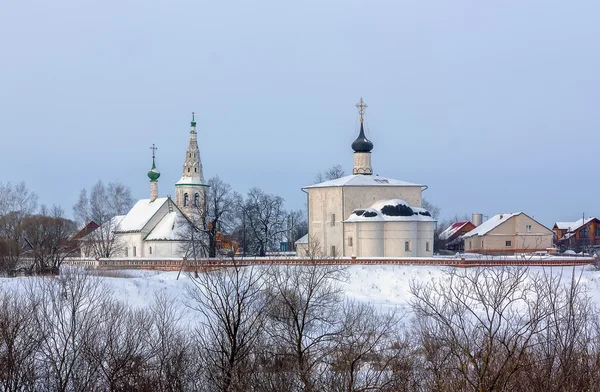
(451, 238)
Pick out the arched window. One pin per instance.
(186, 200)
(196, 200)
(189, 169)
(195, 170)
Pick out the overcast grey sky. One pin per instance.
(493, 105)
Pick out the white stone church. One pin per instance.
(367, 215)
(159, 226)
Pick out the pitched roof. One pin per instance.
(140, 214)
(362, 180)
(490, 224)
(573, 226)
(452, 229)
(172, 227)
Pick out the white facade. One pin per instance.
(331, 205)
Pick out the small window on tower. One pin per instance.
(195, 170)
(189, 169)
(196, 200)
(150, 250)
(185, 200)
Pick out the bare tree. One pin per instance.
(332, 173)
(221, 205)
(231, 301)
(305, 304)
(19, 339)
(433, 209)
(70, 307)
(105, 206)
(265, 217)
(47, 238)
(479, 325)
(16, 203)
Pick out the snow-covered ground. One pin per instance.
(382, 285)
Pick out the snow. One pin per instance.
(573, 226)
(171, 227)
(451, 230)
(377, 207)
(385, 286)
(490, 224)
(303, 240)
(195, 180)
(140, 214)
(362, 180)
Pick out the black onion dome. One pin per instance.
(362, 144)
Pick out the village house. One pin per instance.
(577, 235)
(507, 234)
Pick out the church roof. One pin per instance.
(140, 214)
(172, 227)
(395, 210)
(362, 180)
(196, 180)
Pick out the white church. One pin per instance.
(367, 215)
(159, 226)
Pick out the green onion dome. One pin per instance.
(153, 174)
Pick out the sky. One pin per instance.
(492, 105)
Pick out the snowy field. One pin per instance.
(384, 286)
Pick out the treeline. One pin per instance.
(293, 329)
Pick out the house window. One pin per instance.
(349, 241)
(332, 219)
(186, 200)
(150, 250)
(528, 228)
(508, 244)
(126, 252)
(333, 250)
(196, 200)
(427, 246)
(469, 244)
(481, 244)
(584, 233)
(407, 246)
(134, 253)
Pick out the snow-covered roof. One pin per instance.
(172, 227)
(490, 224)
(362, 180)
(452, 229)
(193, 180)
(140, 214)
(302, 240)
(390, 210)
(573, 226)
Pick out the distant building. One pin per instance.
(160, 226)
(366, 215)
(508, 233)
(452, 238)
(577, 235)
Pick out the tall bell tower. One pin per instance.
(190, 190)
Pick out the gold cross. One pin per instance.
(153, 148)
(361, 106)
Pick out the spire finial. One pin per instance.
(361, 106)
(153, 148)
(193, 116)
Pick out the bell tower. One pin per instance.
(362, 146)
(190, 190)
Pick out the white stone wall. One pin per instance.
(323, 204)
(387, 239)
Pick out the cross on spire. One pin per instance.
(193, 116)
(361, 106)
(153, 148)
